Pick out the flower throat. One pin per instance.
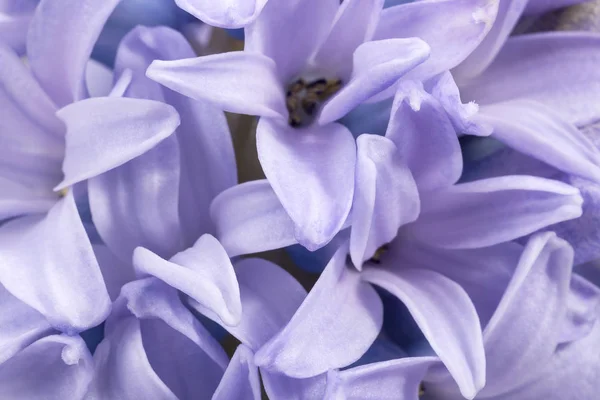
(304, 98)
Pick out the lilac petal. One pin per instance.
(278, 386)
(173, 355)
(203, 272)
(14, 23)
(115, 271)
(20, 325)
(270, 297)
(250, 219)
(451, 326)
(53, 368)
(340, 305)
(582, 309)
(536, 130)
(113, 131)
(203, 136)
(464, 117)
(425, 138)
(99, 80)
(137, 204)
(453, 39)
(353, 25)
(241, 380)
(394, 379)
(383, 182)
(239, 82)
(522, 334)
(224, 13)
(288, 32)
(59, 44)
(542, 6)
(49, 264)
(312, 172)
(508, 15)
(376, 66)
(540, 67)
(491, 211)
(17, 199)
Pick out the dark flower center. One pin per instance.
(304, 98)
(376, 259)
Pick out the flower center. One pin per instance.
(304, 98)
(376, 259)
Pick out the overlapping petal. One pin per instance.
(225, 13)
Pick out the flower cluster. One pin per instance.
(424, 177)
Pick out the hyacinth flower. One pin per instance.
(46, 258)
(415, 168)
(539, 331)
(304, 66)
(14, 22)
(160, 200)
(37, 361)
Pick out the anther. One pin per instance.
(303, 99)
(376, 259)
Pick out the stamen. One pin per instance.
(421, 389)
(303, 99)
(63, 192)
(376, 259)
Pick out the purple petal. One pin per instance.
(115, 271)
(491, 211)
(241, 380)
(20, 325)
(394, 379)
(582, 310)
(451, 326)
(14, 23)
(353, 25)
(464, 117)
(425, 137)
(203, 272)
(48, 263)
(250, 219)
(278, 386)
(382, 180)
(173, 355)
(508, 15)
(522, 334)
(239, 82)
(137, 204)
(451, 41)
(312, 172)
(224, 14)
(540, 67)
(376, 66)
(53, 368)
(113, 131)
(339, 306)
(270, 297)
(534, 129)
(59, 44)
(542, 6)
(288, 32)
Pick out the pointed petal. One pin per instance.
(353, 25)
(203, 272)
(106, 132)
(425, 137)
(312, 172)
(377, 66)
(137, 204)
(339, 305)
(15, 16)
(385, 197)
(522, 333)
(392, 379)
(540, 67)
(288, 32)
(451, 326)
(279, 386)
(239, 82)
(224, 14)
(59, 44)
(534, 129)
(508, 15)
(250, 219)
(241, 380)
(20, 325)
(173, 355)
(53, 368)
(270, 296)
(49, 264)
(491, 211)
(453, 39)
